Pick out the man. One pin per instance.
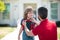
(46, 30)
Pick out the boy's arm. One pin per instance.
(20, 31)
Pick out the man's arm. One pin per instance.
(35, 21)
(29, 33)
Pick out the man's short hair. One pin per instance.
(43, 12)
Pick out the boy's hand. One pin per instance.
(18, 37)
(24, 23)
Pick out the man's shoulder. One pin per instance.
(52, 23)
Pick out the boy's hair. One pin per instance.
(26, 12)
(43, 12)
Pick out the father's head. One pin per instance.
(42, 13)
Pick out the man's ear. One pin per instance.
(38, 17)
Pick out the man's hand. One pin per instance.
(33, 20)
(29, 33)
(24, 24)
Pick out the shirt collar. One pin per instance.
(45, 20)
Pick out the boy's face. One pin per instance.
(30, 14)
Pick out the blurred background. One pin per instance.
(12, 10)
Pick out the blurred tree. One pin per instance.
(2, 6)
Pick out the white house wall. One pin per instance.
(0, 18)
(46, 4)
(21, 6)
(18, 13)
(17, 10)
(14, 12)
(59, 11)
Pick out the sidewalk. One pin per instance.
(14, 35)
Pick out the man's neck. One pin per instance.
(43, 19)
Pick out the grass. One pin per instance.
(59, 36)
(58, 31)
(5, 30)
